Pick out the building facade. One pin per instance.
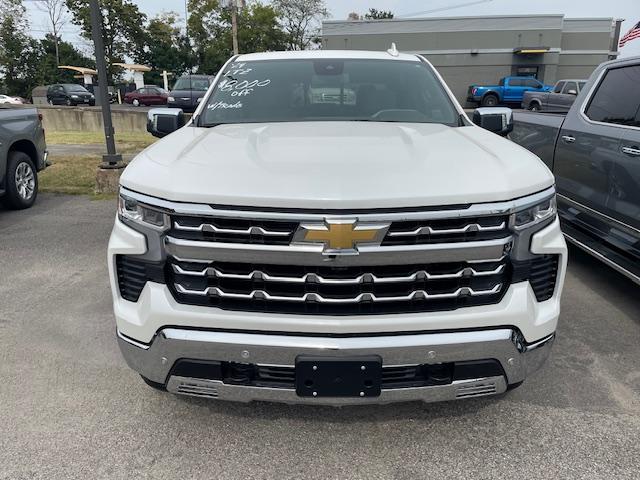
(481, 50)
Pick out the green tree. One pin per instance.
(68, 55)
(20, 55)
(300, 20)
(210, 31)
(167, 48)
(123, 34)
(374, 14)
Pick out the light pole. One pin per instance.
(234, 25)
(111, 159)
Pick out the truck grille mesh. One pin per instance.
(338, 290)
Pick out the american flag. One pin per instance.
(630, 35)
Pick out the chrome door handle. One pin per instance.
(633, 151)
(568, 139)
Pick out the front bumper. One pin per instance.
(507, 346)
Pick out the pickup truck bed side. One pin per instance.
(594, 152)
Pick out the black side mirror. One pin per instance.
(498, 120)
(163, 121)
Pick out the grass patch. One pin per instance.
(126, 142)
(74, 175)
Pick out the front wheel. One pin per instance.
(136, 102)
(68, 102)
(489, 101)
(22, 181)
(534, 107)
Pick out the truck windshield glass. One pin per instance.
(184, 83)
(326, 90)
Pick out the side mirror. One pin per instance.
(572, 92)
(495, 119)
(163, 121)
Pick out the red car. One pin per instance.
(148, 95)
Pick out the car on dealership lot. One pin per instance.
(594, 152)
(70, 94)
(331, 228)
(23, 153)
(188, 91)
(509, 90)
(560, 99)
(6, 99)
(147, 95)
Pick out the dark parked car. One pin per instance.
(188, 91)
(69, 94)
(147, 95)
(594, 152)
(559, 100)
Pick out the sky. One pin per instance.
(339, 9)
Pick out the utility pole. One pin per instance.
(111, 159)
(234, 25)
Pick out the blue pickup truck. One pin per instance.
(508, 90)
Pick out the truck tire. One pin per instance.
(489, 100)
(154, 385)
(22, 181)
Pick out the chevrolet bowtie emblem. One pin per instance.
(341, 236)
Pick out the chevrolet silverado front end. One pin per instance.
(330, 228)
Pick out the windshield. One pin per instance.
(75, 88)
(184, 83)
(327, 89)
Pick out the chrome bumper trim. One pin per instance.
(506, 345)
(215, 389)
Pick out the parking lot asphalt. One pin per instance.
(71, 408)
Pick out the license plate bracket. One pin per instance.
(320, 376)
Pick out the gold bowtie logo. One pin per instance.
(342, 235)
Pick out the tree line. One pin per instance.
(163, 42)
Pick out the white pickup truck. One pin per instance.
(331, 228)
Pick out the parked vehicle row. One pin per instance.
(23, 154)
(594, 152)
(559, 99)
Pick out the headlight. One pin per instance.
(533, 215)
(171, 99)
(74, 96)
(131, 209)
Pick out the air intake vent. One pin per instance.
(543, 274)
(133, 274)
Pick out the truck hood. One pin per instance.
(336, 165)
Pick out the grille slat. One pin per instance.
(232, 230)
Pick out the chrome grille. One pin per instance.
(447, 230)
(338, 290)
(232, 230)
(278, 232)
